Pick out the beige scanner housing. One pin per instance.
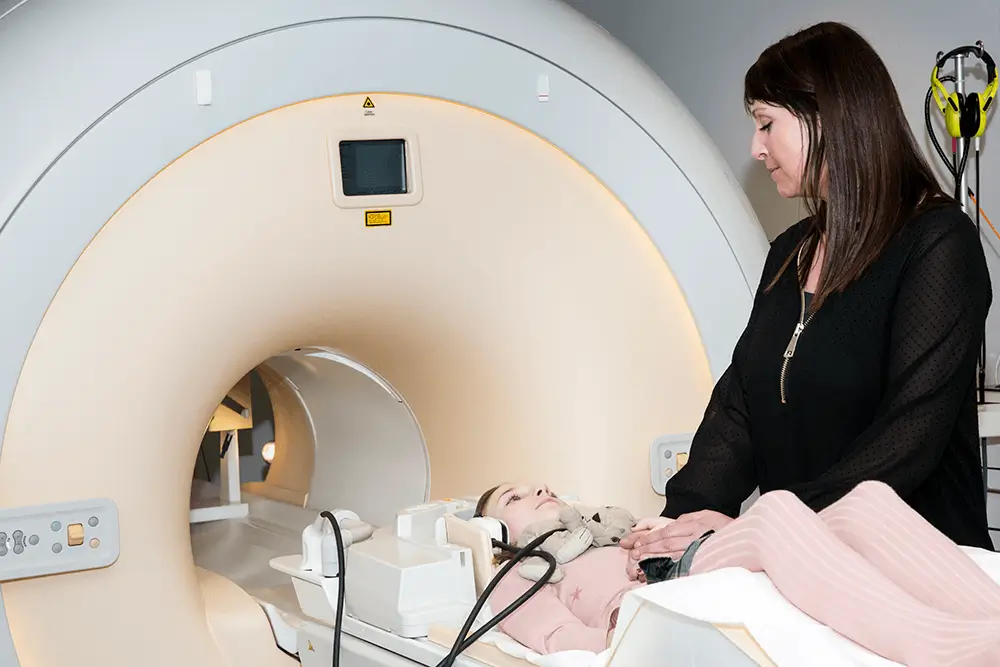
(558, 287)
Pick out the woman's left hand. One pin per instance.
(672, 539)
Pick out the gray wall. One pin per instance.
(702, 48)
(8, 5)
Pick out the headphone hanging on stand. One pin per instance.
(965, 115)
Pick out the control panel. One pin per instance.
(667, 455)
(57, 538)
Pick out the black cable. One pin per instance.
(961, 170)
(341, 567)
(952, 169)
(930, 127)
(528, 550)
(983, 442)
(461, 643)
(225, 444)
(982, 351)
(204, 459)
(956, 173)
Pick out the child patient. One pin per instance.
(868, 566)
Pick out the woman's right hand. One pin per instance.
(642, 527)
(672, 539)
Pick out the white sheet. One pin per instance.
(788, 636)
(736, 596)
(561, 659)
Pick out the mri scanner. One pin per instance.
(459, 242)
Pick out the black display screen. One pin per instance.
(373, 167)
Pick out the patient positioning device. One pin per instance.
(425, 569)
(730, 616)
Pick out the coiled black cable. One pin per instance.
(528, 550)
(934, 140)
(461, 643)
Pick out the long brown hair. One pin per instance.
(483, 499)
(860, 143)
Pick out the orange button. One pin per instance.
(74, 534)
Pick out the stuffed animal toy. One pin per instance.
(583, 528)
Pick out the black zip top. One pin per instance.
(878, 384)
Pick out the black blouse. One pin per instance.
(880, 386)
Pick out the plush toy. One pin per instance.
(583, 528)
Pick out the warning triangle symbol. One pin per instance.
(368, 103)
(311, 647)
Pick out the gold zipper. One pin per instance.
(794, 340)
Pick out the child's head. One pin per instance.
(519, 506)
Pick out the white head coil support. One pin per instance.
(496, 528)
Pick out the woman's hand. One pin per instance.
(642, 527)
(658, 536)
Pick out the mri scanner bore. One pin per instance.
(503, 294)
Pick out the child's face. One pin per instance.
(520, 505)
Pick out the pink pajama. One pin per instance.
(872, 569)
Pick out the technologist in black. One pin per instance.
(860, 355)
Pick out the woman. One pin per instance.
(859, 358)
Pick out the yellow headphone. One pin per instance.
(965, 115)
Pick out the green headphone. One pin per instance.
(965, 115)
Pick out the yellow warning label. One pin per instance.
(311, 646)
(378, 218)
(368, 104)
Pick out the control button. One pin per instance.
(18, 549)
(668, 473)
(56, 548)
(682, 459)
(74, 534)
(3, 538)
(33, 540)
(3, 551)
(18, 535)
(93, 522)
(56, 526)
(94, 543)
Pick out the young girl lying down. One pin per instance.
(868, 566)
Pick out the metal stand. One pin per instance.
(960, 160)
(962, 191)
(961, 187)
(961, 148)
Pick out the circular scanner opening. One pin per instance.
(523, 313)
(343, 438)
